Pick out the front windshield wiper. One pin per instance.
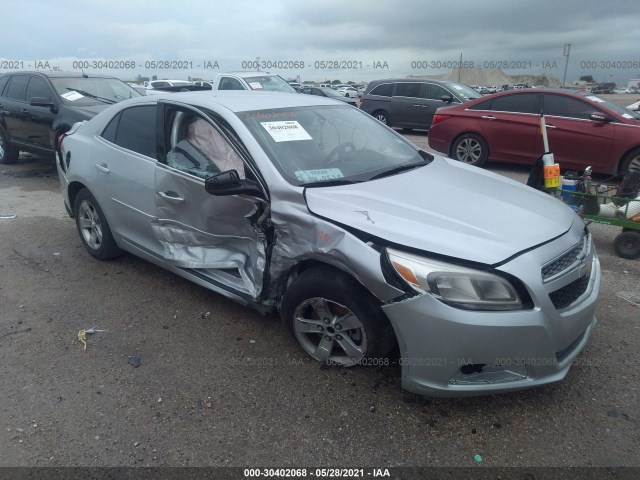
(330, 183)
(91, 95)
(399, 169)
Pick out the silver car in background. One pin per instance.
(360, 240)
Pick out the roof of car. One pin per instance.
(244, 74)
(392, 80)
(56, 74)
(240, 100)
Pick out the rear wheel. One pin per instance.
(93, 227)
(334, 319)
(381, 116)
(631, 161)
(471, 149)
(8, 154)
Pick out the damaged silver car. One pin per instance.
(361, 241)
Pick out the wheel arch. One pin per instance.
(618, 167)
(72, 192)
(309, 263)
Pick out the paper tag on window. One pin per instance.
(72, 96)
(256, 85)
(320, 175)
(286, 131)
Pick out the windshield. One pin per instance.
(92, 90)
(272, 83)
(619, 109)
(464, 91)
(320, 144)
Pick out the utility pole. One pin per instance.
(460, 68)
(566, 52)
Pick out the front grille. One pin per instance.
(566, 260)
(565, 296)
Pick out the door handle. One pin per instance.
(487, 117)
(171, 197)
(417, 105)
(550, 126)
(102, 167)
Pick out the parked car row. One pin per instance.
(305, 206)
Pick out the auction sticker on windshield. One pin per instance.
(320, 175)
(71, 96)
(287, 131)
(255, 85)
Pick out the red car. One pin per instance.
(582, 129)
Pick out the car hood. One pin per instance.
(90, 111)
(447, 208)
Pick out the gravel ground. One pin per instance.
(180, 376)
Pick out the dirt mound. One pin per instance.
(488, 77)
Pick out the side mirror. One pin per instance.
(599, 117)
(42, 102)
(446, 98)
(229, 183)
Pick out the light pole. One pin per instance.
(567, 50)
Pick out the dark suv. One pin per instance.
(37, 107)
(411, 103)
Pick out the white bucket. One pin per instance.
(608, 210)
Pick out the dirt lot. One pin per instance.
(180, 376)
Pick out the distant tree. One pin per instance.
(335, 82)
(586, 78)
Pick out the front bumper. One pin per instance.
(449, 352)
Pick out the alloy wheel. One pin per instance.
(330, 332)
(90, 225)
(469, 150)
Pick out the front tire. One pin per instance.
(8, 154)
(93, 227)
(334, 319)
(471, 149)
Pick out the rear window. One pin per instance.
(408, 89)
(135, 130)
(517, 103)
(17, 87)
(384, 90)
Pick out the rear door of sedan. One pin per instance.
(123, 162)
(219, 239)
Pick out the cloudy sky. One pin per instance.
(365, 39)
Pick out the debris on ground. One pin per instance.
(135, 362)
(82, 335)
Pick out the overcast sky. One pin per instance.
(386, 34)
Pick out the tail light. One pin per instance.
(59, 138)
(438, 118)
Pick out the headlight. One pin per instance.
(455, 285)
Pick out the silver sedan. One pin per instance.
(362, 242)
